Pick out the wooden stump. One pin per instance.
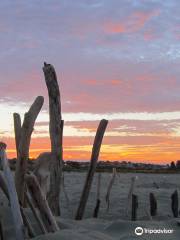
(93, 163)
(175, 204)
(134, 207)
(56, 136)
(153, 205)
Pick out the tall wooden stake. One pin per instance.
(93, 163)
(23, 148)
(17, 129)
(56, 133)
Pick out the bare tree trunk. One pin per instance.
(23, 148)
(109, 188)
(17, 129)
(93, 163)
(40, 200)
(15, 208)
(56, 133)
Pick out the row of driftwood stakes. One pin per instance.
(24, 189)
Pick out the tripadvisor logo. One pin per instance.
(139, 231)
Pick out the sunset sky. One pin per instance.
(115, 59)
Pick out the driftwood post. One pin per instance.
(15, 208)
(93, 163)
(27, 222)
(56, 135)
(129, 199)
(17, 129)
(153, 204)
(175, 203)
(3, 185)
(65, 193)
(40, 201)
(23, 148)
(98, 201)
(110, 187)
(36, 213)
(134, 207)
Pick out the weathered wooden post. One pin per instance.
(15, 208)
(17, 129)
(175, 204)
(3, 185)
(153, 205)
(56, 136)
(40, 201)
(65, 193)
(35, 212)
(131, 190)
(110, 187)
(92, 168)
(30, 230)
(24, 143)
(134, 207)
(98, 201)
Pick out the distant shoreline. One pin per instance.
(74, 166)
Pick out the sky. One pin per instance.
(115, 59)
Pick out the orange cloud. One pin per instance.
(136, 149)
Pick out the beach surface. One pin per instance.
(114, 223)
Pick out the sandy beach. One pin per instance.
(114, 224)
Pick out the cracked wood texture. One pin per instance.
(56, 135)
(23, 148)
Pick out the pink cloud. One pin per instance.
(133, 23)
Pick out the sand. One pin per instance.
(113, 224)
